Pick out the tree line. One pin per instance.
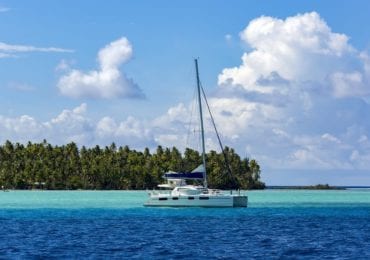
(42, 165)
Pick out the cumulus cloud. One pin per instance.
(129, 128)
(21, 128)
(105, 82)
(75, 125)
(9, 50)
(299, 49)
(69, 125)
(350, 84)
(170, 129)
(296, 94)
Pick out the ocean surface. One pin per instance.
(278, 224)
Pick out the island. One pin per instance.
(309, 187)
(69, 167)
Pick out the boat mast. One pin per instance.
(201, 125)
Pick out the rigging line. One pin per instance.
(218, 137)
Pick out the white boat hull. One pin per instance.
(197, 201)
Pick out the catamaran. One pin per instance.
(177, 193)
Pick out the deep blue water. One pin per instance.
(264, 230)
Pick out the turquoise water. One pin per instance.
(114, 224)
(135, 199)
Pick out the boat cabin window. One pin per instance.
(162, 198)
(190, 198)
(175, 198)
(204, 198)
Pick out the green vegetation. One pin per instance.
(311, 187)
(41, 165)
(321, 187)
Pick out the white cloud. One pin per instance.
(4, 9)
(349, 84)
(330, 138)
(6, 55)
(228, 38)
(63, 65)
(106, 127)
(20, 128)
(69, 125)
(70, 115)
(299, 49)
(106, 82)
(9, 50)
(74, 125)
(129, 128)
(19, 86)
(176, 116)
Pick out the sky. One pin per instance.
(288, 82)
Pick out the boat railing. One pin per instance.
(209, 191)
(224, 192)
(160, 192)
